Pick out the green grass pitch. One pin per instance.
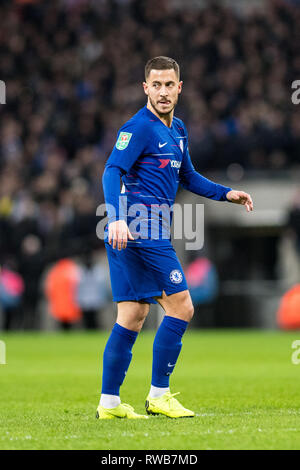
(241, 384)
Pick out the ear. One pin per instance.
(180, 87)
(145, 86)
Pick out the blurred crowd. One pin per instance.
(73, 71)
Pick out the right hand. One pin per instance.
(118, 234)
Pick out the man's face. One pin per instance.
(163, 88)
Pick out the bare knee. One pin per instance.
(131, 315)
(178, 305)
(187, 310)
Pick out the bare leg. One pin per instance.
(131, 315)
(177, 305)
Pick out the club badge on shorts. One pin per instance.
(123, 140)
(176, 276)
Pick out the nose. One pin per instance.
(163, 91)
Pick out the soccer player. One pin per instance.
(151, 157)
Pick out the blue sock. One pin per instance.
(166, 348)
(116, 358)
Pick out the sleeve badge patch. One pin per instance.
(123, 140)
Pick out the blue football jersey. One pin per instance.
(152, 160)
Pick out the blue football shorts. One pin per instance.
(141, 273)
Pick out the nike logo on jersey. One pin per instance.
(171, 365)
(162, 145)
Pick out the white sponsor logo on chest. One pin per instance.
(175, 164)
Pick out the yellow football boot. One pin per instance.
(121, 411)
(167, 405)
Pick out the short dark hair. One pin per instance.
(161, 63)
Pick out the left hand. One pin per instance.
(239, 197)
